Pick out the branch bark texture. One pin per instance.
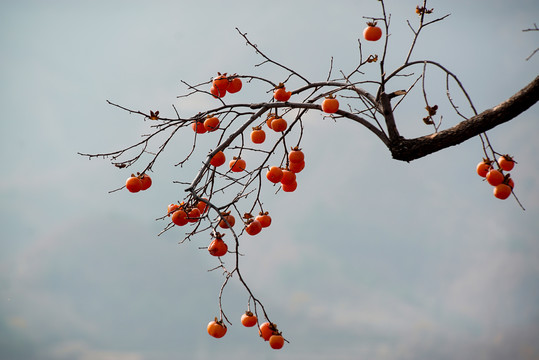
(411, 149)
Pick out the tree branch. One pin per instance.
(411, 149)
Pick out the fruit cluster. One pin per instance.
(503, 184)
(137, 183)
(287, 176)
(223, 84)
(267, 331)
(181, 214)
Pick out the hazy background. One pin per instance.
(369, 259)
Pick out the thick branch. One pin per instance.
(390, 119)
(411, 149)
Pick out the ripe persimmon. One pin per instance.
(234, 85)
(171, 208)
(266, 330)
(198, 127)
(146, 181)
(506, 162)
(216, 328)
(296, 167)
(221, 82)
(372, 32)
(264, 219)
(258, 135)
(217, 93)
(194, 215)
(179, 217)
(133, 184)
(270, 118)
(211, 123)
(218, 247)
(288, 178)
(237, 164)
(330, 105)
(279, 124)
(483, 168)
(229, 218)
(296, 155)
(289, 187)
(494, 177)
(218, 159)
(276, 341)
(280, 93)
(202, 206)
(248, 319)
(274, 174)
(502, 191)
(253, 227)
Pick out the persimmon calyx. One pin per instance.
(154, 115)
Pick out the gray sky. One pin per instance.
(369, 258)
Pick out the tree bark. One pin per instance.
(411, 149)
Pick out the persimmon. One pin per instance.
(218, 247)
(258, 135)
(133, 184)
(202, 206)
(179, 217)
(217, 93)
(146, 181)
(274, 174)
(372, 32)
(237, 164)
(270, 118)
(218, 159)
(330, 104)
(171, 208)
(221, 82)
(506, 162)
(289, 187)
(194, 215)
(264, 219)
(511, 183)
(280, 93)
(288, 178)
(248, 319)
(216, 328)
(276, 341)
(229, 218)
(296, 155)
(483, 168)
(296, 167)
(234, 85)
(253, 227)
(494, 177)
(198, 127)
(211, 123)
(279, 124)
(266, 330)
(502, 191)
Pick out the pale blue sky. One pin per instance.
(370, 258)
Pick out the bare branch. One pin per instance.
(411, 149)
